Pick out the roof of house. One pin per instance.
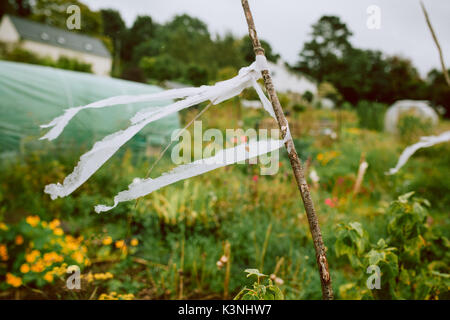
(43, 33)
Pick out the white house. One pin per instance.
(48, 41)
(288, 81)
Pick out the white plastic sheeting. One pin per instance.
(424, 142)
(420, 108)
(91, 161)
(222, 158)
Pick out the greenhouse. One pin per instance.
(33, 95)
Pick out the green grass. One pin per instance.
(182, 228)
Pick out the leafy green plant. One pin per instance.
(413, 260)
(411, 128)
(371, 115)
(262, 290)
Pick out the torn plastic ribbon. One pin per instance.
(424, 142)
(217, 93)
(91, 161)
(140, 188)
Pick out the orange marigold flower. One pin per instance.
(19, 240)
(134, 242)
(78, 257)
(58, 231)
(48, 277)
(38, 266)
(3, 252)
(33, 220)
(12, 280)
(31, 257)
(120, 244)
(54, 224)
(25, 268)
(107, 241)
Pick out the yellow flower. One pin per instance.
(78, 257)
(32, 220)
(320, 157)
(120, 244)
(19, 240)
(52, 257)
(3, 226)
(48, 277)
(134, 242)
(31, 257)
(53, 224)
(3, 252)
(58, 231)
(38, 266)
(107, 241)
(12, 280)
(25, 268)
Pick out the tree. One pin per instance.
(20, 8)
(143, 30)
(113, 24)
(54, 13)
(439, 91)
(114, 27)
(356, 73)
(323, 54)
(246, 50)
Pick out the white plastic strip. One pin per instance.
(261, 63)
(223, 158)
(424, 142)
(217, 93)
(91, 161)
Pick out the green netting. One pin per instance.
(32, 95)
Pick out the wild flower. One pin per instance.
(107, 241)
(48, 277)
(12, 280)
(54, 224)
(32, 220)
(120, 244)
(114, 296)
(18, 240)
(25, 268)
(331, 202)
(3, 252)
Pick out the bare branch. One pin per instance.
(325, 278)
(436, 41)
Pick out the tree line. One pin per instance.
(184, 50)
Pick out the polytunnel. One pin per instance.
(32, 95)
(420, 109)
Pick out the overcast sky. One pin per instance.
(286, 24)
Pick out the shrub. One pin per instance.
(411, 128)
(25, 56)
(412, 259)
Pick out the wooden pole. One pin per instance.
(325, 279)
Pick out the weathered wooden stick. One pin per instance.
(436, 41)
(327, 290)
